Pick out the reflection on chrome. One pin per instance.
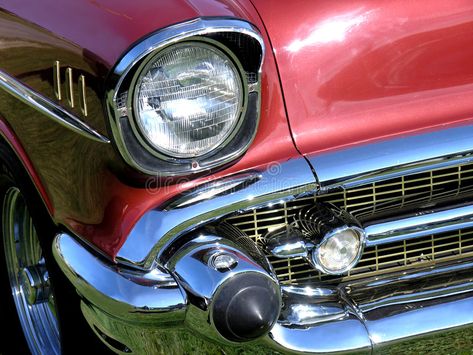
(384, 160)
(309, 314)
(156, 229)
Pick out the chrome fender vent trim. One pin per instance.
(48, 108)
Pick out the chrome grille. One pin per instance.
(386, 258)
(416, 190)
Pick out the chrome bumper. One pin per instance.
(141, 307)
(391, 313)
(137, 312)
(151, 298)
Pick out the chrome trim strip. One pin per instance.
(176, 33)
(309, 308)
(419, 225)
(57, 80)
(420, 319)
(412, 275)
(159, 227)
(307, 291)
(426, 295)
(82, 95)
(423, 304)
(393, 158)
(47, 107)
(160, 39)
(310, 313)
(69, 87)
(344, 336)
(143, 298)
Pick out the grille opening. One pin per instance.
(389, 197)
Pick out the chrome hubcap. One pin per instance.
(34, 283)
(29, 277)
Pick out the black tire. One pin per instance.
(75, 334)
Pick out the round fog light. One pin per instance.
(339, 250)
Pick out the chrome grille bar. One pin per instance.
(374, 162)
(419, 225)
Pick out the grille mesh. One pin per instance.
(417, 190)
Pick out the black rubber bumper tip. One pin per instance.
(246, 307)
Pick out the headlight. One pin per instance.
(188, 100)
(339, 251)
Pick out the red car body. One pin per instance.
(337, 75)
(97, 56)
(365, 71)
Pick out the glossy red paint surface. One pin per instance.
(94, 200)
(361, 70)
(10, 137)
(106, 28)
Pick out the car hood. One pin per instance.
(357, 71)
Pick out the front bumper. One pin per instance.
(146, 306)
(398, 313)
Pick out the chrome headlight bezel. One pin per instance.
(226, 35)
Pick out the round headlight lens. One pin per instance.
(188, 99)
(339, 252)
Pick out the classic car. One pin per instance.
(236, 176)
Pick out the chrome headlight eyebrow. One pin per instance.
(186, 99)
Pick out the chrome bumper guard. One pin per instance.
(143, 308)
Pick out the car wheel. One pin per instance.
(39, 309)
(28, 275)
